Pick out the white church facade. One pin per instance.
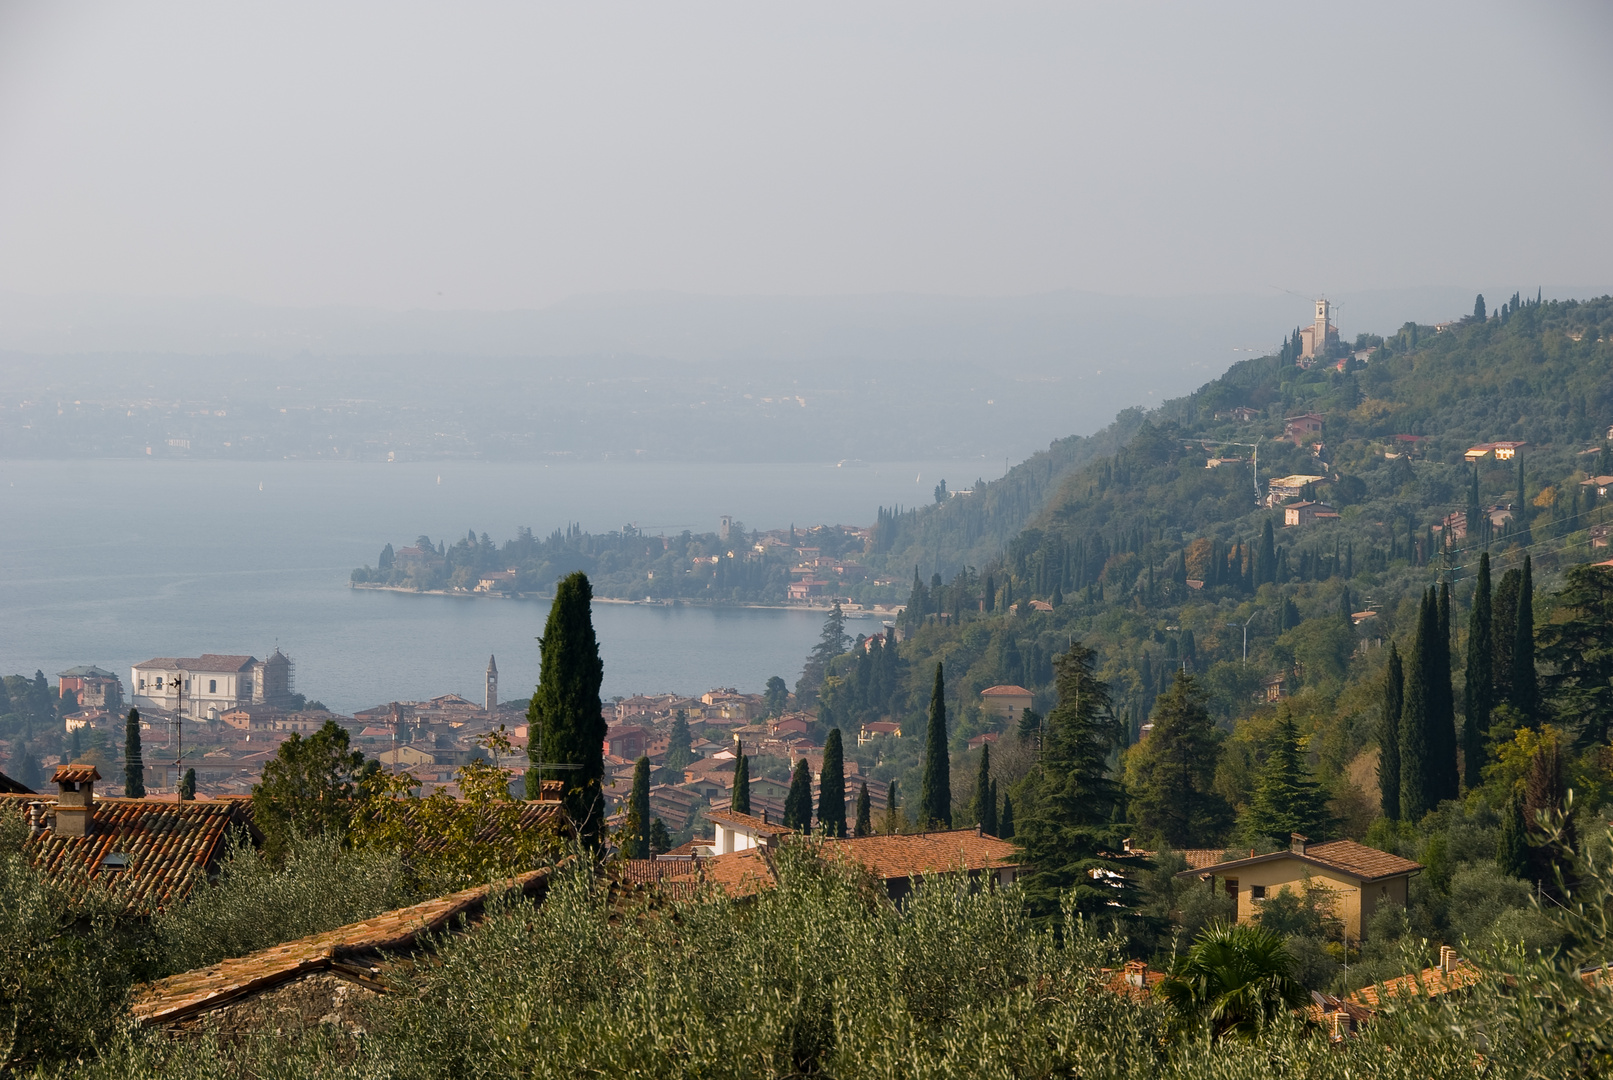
(208, 686)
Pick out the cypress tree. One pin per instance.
(798, 803)
(985, 802)
(739, 803)
(565, 710)
(1503, 629)
(1268, 556)
(1444, 780)
(134, 766)
(1394, 696)
(1512, 848)
(1478, 700)
(865, 816)
(1005, 822)
(1545, 792)
(1414, 749)
(187, 786)
(890, 809)
(660, 839)
(935, 794)
(1525, 696)
(1287, 800)
(636, 830)
(832, 787)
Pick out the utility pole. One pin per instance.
(179, 732)
(1246, 639)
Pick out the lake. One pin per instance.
(112, 562)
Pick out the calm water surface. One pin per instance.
(113, 562)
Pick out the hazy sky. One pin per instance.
(490, 155)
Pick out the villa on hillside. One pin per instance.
(1361, 879)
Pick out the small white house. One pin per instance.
(739, 832)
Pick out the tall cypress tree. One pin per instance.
(935, 794)
(1478, 699)
(680, 744)
(1394, 701)
(1414, 749)
(890, 808)
(739, 802)
(1005, 821)
(1512, 848)
(636, 830)
(1503, 630)
(134, 766)
(832, 787)
(985, 807)
(1525, 696)
(187, 786)
(865, 813)
(565, 713)
(798, 803)
(1444, 780)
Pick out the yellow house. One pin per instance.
(1360, 878)
(1006, 702)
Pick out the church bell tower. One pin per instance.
(490, 699)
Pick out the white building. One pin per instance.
(740, 832)
(210, 685)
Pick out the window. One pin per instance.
(1257, 892)
(159, 682)
(212, 686)
(1232, 888)
(142, 684)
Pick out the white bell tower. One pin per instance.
(490, 698)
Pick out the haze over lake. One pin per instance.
(118, 561)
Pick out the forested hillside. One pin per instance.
(1159, 559)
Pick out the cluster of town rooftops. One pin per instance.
(154, 852)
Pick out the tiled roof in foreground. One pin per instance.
(908, 855)
(179, 997)
(148, 851)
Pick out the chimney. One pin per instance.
(978, 831)
(1125, 845)
(36, 818)
(1296, 843)
(1137, 972)
(75, 799)
(1447, 959)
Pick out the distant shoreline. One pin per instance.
(852, 611)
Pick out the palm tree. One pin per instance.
(1237, 978)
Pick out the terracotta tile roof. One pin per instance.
(1004, 691)
(748, 821)
(178, 997)
(1430, 982)
(1199, 858)
(1135, 981)
(1342, 856)
(738, 873)
(75, 774)
(534, 815)
(168, 846)
(909, 855)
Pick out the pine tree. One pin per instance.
(1071, 825)
(565, 710)
(1287, 800)
(1443, 778)
(1525, 689)
(1394, 695)
(776, 698)
(985, 800)
(831, 644)
(134, 766)
(1414, 749)
(1173, 771)
(680, 744)
(1512, 849)
(832, 787)
(636, 830)
(798, 803)
(739, 803)
(1478, 700)
(1005, 821)
(935, 793)
(187, 786)
(865, 816)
